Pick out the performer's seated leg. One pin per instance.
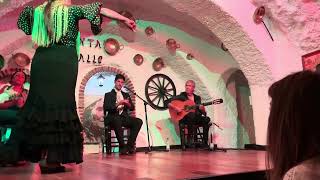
(189, 120)
(10, 152)
(205, 123)
(134, 125)
(8, 119)
(116, 123)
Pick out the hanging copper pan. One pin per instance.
(259, 14)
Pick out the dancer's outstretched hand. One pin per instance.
(131, 24)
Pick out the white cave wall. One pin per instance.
(294, 26)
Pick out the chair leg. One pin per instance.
(182, 137)
(109, 143)
(193, 137)
(200, 134)
(108, 140)
(102, 144)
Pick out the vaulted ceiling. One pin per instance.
(149, 10)
(299, 20)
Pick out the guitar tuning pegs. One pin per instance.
(218, 101)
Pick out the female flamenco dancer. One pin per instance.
(49, 118)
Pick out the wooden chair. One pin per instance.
(110, 140)
(191, 139)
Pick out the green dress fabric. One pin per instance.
(49, 120)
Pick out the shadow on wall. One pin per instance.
(238, 87)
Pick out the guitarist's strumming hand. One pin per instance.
(177, 109)
(202, 109)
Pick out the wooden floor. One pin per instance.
(175, 164)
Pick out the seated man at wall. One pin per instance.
(118, 104)
(192, 118)
(10, 92)
(12, 98)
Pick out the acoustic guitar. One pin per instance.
(188, 106)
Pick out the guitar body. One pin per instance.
(186, 106)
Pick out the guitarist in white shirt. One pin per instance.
(198, 117)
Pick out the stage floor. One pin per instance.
(175, 164)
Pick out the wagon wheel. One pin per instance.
(158, 89)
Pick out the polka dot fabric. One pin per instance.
(91, 12)
(25, 20)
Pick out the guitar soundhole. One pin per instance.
(158, 89)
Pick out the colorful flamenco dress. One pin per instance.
(49, 121)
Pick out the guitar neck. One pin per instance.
(205, 104)
(197, 105)
(216, 101)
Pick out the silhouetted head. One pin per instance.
(293, 130)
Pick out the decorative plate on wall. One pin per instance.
(21, 59)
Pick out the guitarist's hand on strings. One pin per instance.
(178, 110)
(203, 109)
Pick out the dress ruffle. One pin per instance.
(54, 128)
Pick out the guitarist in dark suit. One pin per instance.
(118, 104)
(198, 117)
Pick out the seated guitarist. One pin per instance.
(192, 118)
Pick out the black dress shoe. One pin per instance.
(51, 170)
(124, 151)
(204, 146)
(132, 150)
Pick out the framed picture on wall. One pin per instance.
(311, 60)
